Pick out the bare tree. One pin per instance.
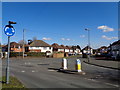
(34, 38)
(21, 42)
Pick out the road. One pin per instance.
(43, 73)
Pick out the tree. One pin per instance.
(34, 38)
(21, 42)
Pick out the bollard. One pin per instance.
(64, 63)
(78, 65)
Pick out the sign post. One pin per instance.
(7, 68)
(9, 31)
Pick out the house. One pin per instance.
(70, 49)
(66, 50)
(76, 49)
(3, 48)
(1, 54)
(114, 49)
(38, 46)
(14, 47)
(102, 50)
(87, 50)
(57, 48)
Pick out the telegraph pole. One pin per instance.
(23, 43)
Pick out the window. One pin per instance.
(44, 48)
(37, 47)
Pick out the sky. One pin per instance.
(63, 22)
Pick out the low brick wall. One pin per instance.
(58, 55)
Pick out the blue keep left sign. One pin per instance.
(9, 31)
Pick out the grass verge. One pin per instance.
(13, 83)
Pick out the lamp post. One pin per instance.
(89, 51)
(23, 43)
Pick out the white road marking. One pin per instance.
(23, 71)
(27, 63)
(105, 83)
(51, 70)
(112, 84)
(92, 80)
(33, 71)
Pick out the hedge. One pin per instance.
(15, 54)
(36, 54)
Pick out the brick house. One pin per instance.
(66, 50)
(57, 48)
(70, 49)
(14, 47)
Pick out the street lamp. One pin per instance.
(89, 51)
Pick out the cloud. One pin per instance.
(82, 36)
(68, 39)
(109, 38)
(64, 39)
(44, 38)
(105, 28)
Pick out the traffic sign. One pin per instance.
(9, 30)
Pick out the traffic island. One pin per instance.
(72, 72)
(78, 67)
(14, 83)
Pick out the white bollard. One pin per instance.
(78, 65)
(64, 63)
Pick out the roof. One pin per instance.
(86, 48)
(103, 47)
(3, 45)
(56, 46)
(64, 47)
(68, 47)
(116, 43)
(75, 47)
(39, 43)
(12, 44)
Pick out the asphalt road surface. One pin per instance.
(43, 73)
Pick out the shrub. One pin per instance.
(15, 54)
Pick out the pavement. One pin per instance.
(104, 63)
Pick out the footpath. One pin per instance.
(104, 63)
